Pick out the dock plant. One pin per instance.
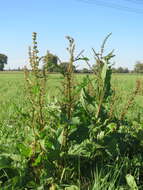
(75, 141)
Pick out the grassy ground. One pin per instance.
(11, 82)
(13, 113)
(12, 90)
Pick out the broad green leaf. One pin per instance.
(75, 120)
(42, 144)
(131, 182)
(5, 162)
(104, 71)
(24, 150)
(37, 161)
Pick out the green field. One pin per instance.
(94, 143)
(12, 85)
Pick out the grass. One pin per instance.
(12, 80)
(12, 92)
(12, 87)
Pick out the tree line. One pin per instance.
(53, 64)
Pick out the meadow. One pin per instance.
(12, 85)
(71, 131)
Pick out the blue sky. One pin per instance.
(54, 19)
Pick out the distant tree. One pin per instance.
(114, 70)
(3, 61)
(50, 62)
(138, 68)
(85, 70)
(63, 67)
(120, 70)
(126, 70)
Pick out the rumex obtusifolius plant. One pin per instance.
(36, 86)
(69, 91)
(64, 141)
(100, 83)
(131, 99)
(50, 142)
(68, 86)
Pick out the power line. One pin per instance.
(113, 5)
